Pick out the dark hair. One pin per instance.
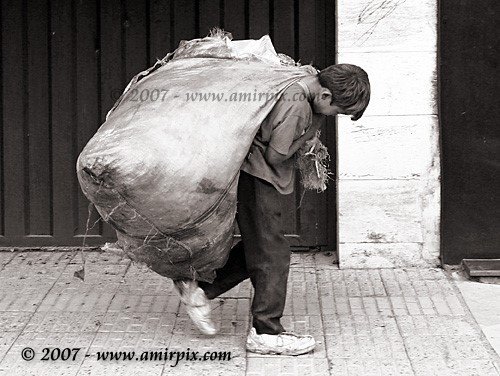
(349, 85)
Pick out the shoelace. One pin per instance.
(281, 340)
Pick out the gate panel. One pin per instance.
(470, 135)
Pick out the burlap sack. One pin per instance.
(163, 168)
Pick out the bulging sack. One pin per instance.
(163, 171)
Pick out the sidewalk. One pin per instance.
(366, 322)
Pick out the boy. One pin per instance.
(263, 255)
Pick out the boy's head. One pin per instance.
(346, 91)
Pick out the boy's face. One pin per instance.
(322, 104)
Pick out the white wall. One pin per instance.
(388, 161)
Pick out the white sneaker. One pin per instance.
(197, 306)
(280, 344)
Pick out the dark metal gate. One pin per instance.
(469, 113)
(65, 62)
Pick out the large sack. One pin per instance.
(163, 170)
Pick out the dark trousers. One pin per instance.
(263, 255)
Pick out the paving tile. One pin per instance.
(426, 305)
(331, 281)
(440, 287)
(363, 367)
(428, 325)
(445, 347)
(383, 305)
(399, 305)
(243, 290)
(365, 283)
(367, 296)
(456, 306)
(296, 366)
(391, 282)
(56, 322)
(427, 274)
(302, 293)
(75, 300)
(355, 325)
(96, 276)
(146, 286)
(356, 346)
(39, 341)
(5, 258)
(305, 324)
(303, 259)
(234, 316)
(326, 260)
(202, 344)
(230, 316)
(365, 322)
(28, 301)
(327, 298)
(405, 283)
(419, 285)
(132, 341)
(441, 305)
(93, 367)
(370, 305)
(6, 341)
(234, 367)
(33, 274)
(356, 305)
(44, 262)
(353, 283)
(138, 322)
(74, 285)
(144, 303)
(140, 280)
(332, 304)
(14, 364)
(422, 320)
(413, 307)
(364, 347)
(15, 281)
(102, 258)
(14, 321)
(465, 367)
(36, 369)
(409, 282)
(136, 342)
(95, 273)
(376, 282)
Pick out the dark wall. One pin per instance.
(470, 129)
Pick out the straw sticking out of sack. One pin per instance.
(313, 162)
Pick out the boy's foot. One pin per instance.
(197, 306)
(280, 344)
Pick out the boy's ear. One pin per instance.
(325, 94)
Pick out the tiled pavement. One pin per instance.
(366, 322)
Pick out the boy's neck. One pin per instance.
(312, 84)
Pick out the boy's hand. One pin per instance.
(311, 131)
